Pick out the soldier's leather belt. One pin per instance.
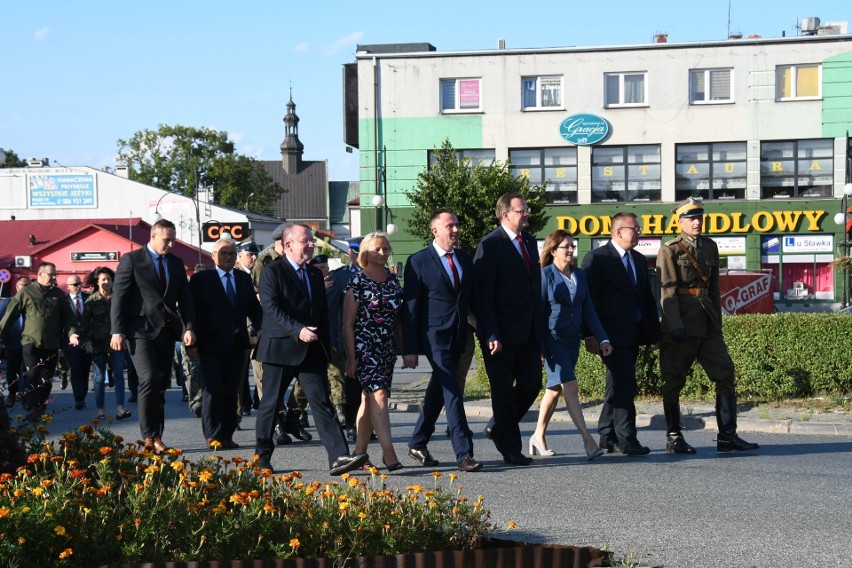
(692, 291)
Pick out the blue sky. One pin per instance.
(78, 76)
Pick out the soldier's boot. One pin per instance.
(293, 426)
(726, 419)
(340, 414)
(675, 444)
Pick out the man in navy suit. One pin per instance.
(79, 362)
(152, 308)
(620, 291)
(510, 322)
(224, 300)
(295, 343)
(438, 281)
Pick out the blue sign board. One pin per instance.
(584, 129)
(61, 191)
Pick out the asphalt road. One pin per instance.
(785, 505)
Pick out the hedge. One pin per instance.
(777, 357)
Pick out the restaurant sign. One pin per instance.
(584, 129)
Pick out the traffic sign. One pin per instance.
(5, 275)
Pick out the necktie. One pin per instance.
(77, 305)
(303, 274)
(162, 271)
(524, 254)
(229, 289)
(628, 263)
(454, 270)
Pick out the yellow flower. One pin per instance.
(215, 444)
(37, 491)
(65, 553)
(177, 466)
(453, 477)
(60, 530)
(294, 543)
(513, 525)
(344, 506)
(18, 492)
(344, 477)
(362, 515)
(354, 482)
(22, 540)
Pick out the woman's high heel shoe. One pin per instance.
(596, 453)
(392, 466)
(537, 448)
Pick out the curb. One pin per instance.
(658, 421)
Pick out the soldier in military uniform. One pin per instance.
(692, 329)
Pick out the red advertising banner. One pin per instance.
(747, 292)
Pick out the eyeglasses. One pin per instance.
(75, 284)
(636, 228)
(226, 254)
(566, 247)
(304, 241)
(521, 211)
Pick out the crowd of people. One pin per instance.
(337, 334)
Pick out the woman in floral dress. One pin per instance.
(370, 326)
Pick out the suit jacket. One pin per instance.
(617, 302)
(433, 317)
(138, 302)
(561, 312)
(334, 296)
(286, 310)
(507, 301)
(218, 324)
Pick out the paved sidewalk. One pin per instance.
(409, 386)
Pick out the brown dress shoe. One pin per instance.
(159, 446)
(148, 444)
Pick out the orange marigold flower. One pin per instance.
(5, 477)
(513, 525)
(137, 522)
(294, 543)
(177, 466)
(354, 482)
(65, 553)
(46, 482)
(4, 512)
(37, 491)
(436, 474)
(105, 450)
(22, 540)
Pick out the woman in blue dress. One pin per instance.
(567, 309)
(371, 324)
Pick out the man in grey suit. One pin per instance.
(152, 308)
(295, 343)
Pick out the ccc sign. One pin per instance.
(213, 231)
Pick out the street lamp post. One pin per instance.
(841, 219)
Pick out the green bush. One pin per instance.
(777, 357)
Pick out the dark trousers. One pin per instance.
(443, 391)
(617, 420)
(221, 375)
(15, 371)
(515, 378)
(677, 358)
(79, 365)
(152, 359)
(312, 376)
(40, 364)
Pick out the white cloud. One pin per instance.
(41, 34)
(302, 48)
(343, 43)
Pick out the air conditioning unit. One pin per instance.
(23, 261)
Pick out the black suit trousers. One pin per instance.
(40, 364)
(313, 378)
(221, 379)
(152, 359)
(617, 420)
(443, 391)
(515, 377)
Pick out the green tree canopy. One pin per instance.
(470, 191)
(181, 158)
(11, 159)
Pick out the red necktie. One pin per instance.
(162, 273)
(454, 270)
(524, 254)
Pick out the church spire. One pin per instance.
(291, 149)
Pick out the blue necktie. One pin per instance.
(303, 274)
(628, 263)
(229, 289)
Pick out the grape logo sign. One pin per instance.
(584, 129)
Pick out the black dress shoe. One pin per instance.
(469, 464)
(282, 439)
(675, 444)
(424, 457)
(730, 441)
(340, 415)
(264, 463)
(303, 419)
(632, 447)
(347, 463)
(608, 444)
(349, 432)
(517, 459)
(295, 428)
(63, 382)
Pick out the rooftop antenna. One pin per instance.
(728, 35)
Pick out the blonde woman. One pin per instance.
(567, 309)
(371, 310)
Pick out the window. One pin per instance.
(541, 92)
(798, 168)
(711, 171)
(710, 86)
(797, 81)
(625, 89)
(476, 157)
(802, 274)
(626, 173)
(555, 166)
(461, 95)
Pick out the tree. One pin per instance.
(183, 158)
(470, 191)
(9, 159)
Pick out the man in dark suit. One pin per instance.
(224, 299)
(79, 362)
(620, 291)
(150, 297)
(438, 281)
(295, 343)
(508, 309)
